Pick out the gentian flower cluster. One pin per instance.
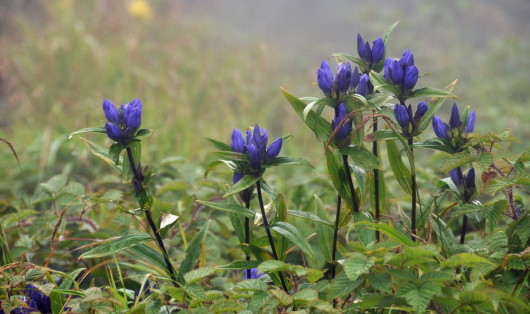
(454, 133)
(407, 120)
(123, 123)
(464, 183)
(402, 73)
(256, 148)
(36, 301)
(342, 137)
(334, 86)
(253, 274)
(371, 56)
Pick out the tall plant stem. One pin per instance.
(414, 192)
(335, 237)
(151, 222)
(376, 181)
(350, 183)
(269, 234)
(463, 233)
(247, 238)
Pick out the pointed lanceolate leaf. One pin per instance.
(88, 130)
(115, 245)
(290, 232)
(230, 207)
(309, 216)
(324, 232)
(401, 172)
(219, 145)
(338, 177)
(241, 185)
(362, 157)
(289, 161)
(432, 92)
(192, 253)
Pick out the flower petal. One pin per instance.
(111, 113)
(274, 149)
(113, 132)
(470, 126)
(378, 50)
(440, 128)
(402, 116)
(457, 177)
(325, 78)
(454, 120)
(238, 144)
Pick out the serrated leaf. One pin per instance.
(290, 232)
(282, 297)
(251, 285)
(55, 184)
(115, 245)
(224, 306)
(419, 294)
(237, 265)
(306, 295)
(356, 265)
(381, 281)
(198, 274)
(465, 260)
(246, 182)
(273, 266)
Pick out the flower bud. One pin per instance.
(325, 78)
(440, 128)
(378, 50)
(238, 144)
(402, 116)
(113, 132)
(111, 113)
(410, 78)
(362, 88)
(274, 149)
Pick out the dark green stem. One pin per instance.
(335, 237)
(152, 224)
(463, 232)
(269, 234)
(376, 181)
(247, 238)
(350, 183)
(414, 192)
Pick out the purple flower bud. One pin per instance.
(260, 139)
(325, 78)
(237, 176)
(274, 149)
(470, 125)
(378, 50)
(238, 144)
(363, 48)
(362, 88)
(470, 180)
(396, 73)
(386, 67)
(402, 116)
(113, 132)
(354, 80)
(457, 177)
(407, 59)
(410, 79)
(454, 120)
(253, 274)
(132, 115)
(440, 128)
(253, 156)
(342, 80)
(111, 113)
(420, 111)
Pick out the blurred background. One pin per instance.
(202, 68)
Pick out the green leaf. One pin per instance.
(356, 265)
(238, 265)
(365, 235)
(198, 274)
(435, 144)
(309, 216)
(288, 161)
(271, 266)
(419, 294)
(324, 233)
(386, 34)
(225, 306)
(193, 252)
(115, 152)
(465, 260)
(230, 207)
(338, 177)
(381, 281)
(306, 295)
(148, 254)
(216, 163)
(341, 286)
(143, 132)
(362, 157)
(282, 297)
(401, 172)
(88, 130)
(219, 145)
(432, 92)
(114, 245)
(251, 285)
(456, 160)
(434, 104)
(55, 183)
(246, 182)
(389, 231)
(290, 232)
(320, 126)
(383, 135)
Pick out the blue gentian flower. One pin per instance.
(464, 183)
(370, 56)
(407, 120)
(253, 274)
(402, 73)
(342, 137)
(334, 86)
(38, 300)
(362, 87)
(122, 123)
(258, 152)
(455, 133)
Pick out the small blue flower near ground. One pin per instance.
(253, 274)
(464, 183)
(407, 120)
(455, 133)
